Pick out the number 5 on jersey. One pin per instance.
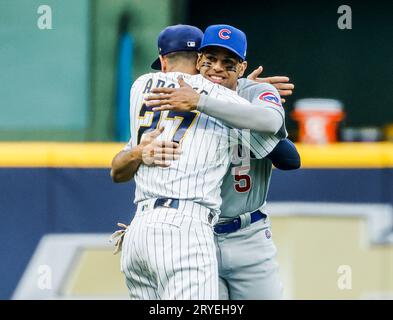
(242, 179)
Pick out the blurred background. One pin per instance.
(65, 72)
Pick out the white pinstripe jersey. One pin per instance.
(205, 143)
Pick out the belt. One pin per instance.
(235, 224)
(166, 203)
(174, 203)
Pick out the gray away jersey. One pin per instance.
(246, 184)
(205, 143)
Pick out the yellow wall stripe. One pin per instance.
(58, 154)
(347, 155)
(99, 155)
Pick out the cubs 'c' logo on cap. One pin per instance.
(224, 34)
(270, 97)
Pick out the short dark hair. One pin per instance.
(182, 55)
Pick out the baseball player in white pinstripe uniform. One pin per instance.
(245, 250)
(168, 251)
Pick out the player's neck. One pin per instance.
(181, 67)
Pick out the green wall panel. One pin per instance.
(60, 84)
(44, 73)
(147, 19)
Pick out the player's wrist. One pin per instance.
(195, 100)
(137, 153)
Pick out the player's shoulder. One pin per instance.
(143, 79)
(199, 80)
(157, 79)
(264, 92)
(246, 84)
(157, 75)
(174, 76)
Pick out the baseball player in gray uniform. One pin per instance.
(245, 249)
(169, 251)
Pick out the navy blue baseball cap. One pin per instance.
(180, 37)
(226, 36)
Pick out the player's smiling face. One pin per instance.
(221, 66)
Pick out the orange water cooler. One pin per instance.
(318, 119)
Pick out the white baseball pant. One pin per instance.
(170, 253)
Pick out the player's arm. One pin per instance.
(235, 114)
(150, 152)
(285, 156)
(242, 116)
(265, 96)
(125, 164)
(281, 83)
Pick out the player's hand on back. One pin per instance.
(281, 83)
(181, 99)
(157, 152)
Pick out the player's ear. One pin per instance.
(243, 67)
(164, 64)
(198, 63)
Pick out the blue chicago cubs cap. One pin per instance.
(226, 36)
(180, 37)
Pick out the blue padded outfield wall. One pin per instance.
(38, 200)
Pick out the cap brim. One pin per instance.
(156, 65)
(222, 46)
